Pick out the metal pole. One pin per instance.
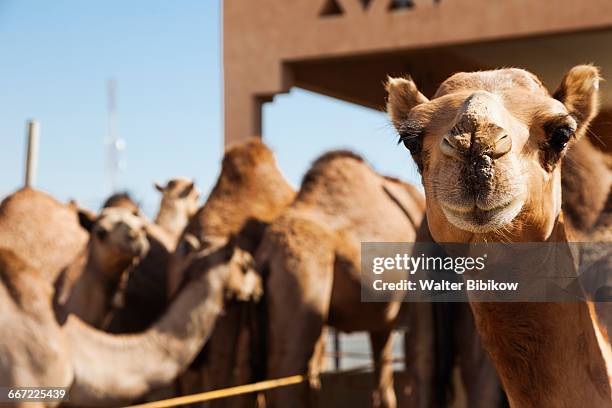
(337, 349)
(32, 153)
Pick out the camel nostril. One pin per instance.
(502, 146)
(449, 146)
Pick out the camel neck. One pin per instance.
(172, 219)
(150, 359)
(91, 295)
(547, 353)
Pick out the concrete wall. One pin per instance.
(345, 48)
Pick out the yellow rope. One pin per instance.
(226, 392)
(240, 389)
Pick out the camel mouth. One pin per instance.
(479, 219)
(138, 248)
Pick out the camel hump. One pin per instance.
(241, 157)
(320, 167)
(41, 229)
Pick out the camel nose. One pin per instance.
(455, 146)
(500, 147)
(479, 129)
(458, 146)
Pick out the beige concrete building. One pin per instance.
(346, 48)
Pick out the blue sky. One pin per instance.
(166, 59)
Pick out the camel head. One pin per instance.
(123, 200)
(180, 194)
(489, 145)
(118, 237)
(225, 258)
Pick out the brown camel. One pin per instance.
(179, 203)
(41, 230)
(585, 195)
(489, 146)
(86, 287)
(311, 256)
(107, 369)
(249, 194)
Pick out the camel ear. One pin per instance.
(187, 190)
(87, 218)
(579, 92)
(158, 187)
(402, 96)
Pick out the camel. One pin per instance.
(109, 369)
(179, 203)
(144, 297)
(442, 342)
(445, 336)
(86, 287)
(41, 230)
(249, 194)
(584, 196)
(33, 352)
(141, 299)
(240, 204)
(489, 146)
(311, 258)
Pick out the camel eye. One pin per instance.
(410, 141)
(411, 133)
(559, 137)
(101, 233)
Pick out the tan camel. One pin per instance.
(86, 287)
(142, 298)
(33, 352)
(106, 369)
(179, 203)
(442, 342)
(249, 194)
(489, 146)
(445, 338)
(41, 230)
(311, 256)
